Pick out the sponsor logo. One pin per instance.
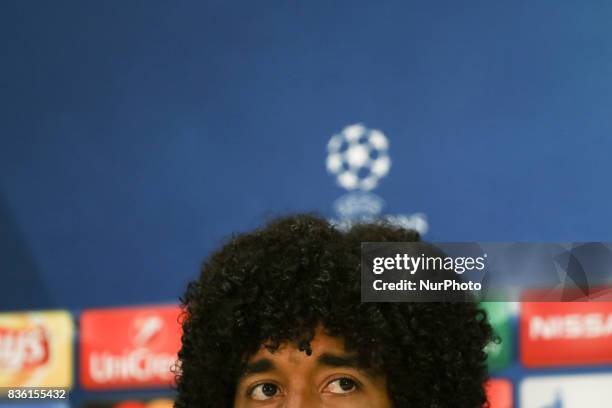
(573, 326)
(23, 348)
(129, 347)
(359, 158)
(36, 349)
(566, 333)
(575, 391)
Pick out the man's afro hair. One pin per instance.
(278, 283)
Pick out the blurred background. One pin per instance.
(137, 136)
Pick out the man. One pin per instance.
(275, 320)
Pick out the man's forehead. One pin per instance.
(321, 343)
(327, 352)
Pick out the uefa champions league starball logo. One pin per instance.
(359, 158)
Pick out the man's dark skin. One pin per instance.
(328, 378)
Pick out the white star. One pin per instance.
(357, 155)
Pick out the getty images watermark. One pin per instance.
(425, 272)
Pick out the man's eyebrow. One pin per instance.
(259, 366)
(346, 361)
(336, 360)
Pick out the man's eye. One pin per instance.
(342, 385)
(264, 391)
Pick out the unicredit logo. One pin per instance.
(23, 348)
(571, 326)
(124, 348)
(139, 365)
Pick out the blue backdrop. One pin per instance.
(136, 136)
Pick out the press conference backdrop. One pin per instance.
(136, 137)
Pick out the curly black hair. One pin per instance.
(278, 283)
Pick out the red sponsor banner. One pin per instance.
(130, 347)
(499, 393)
(565, 333)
